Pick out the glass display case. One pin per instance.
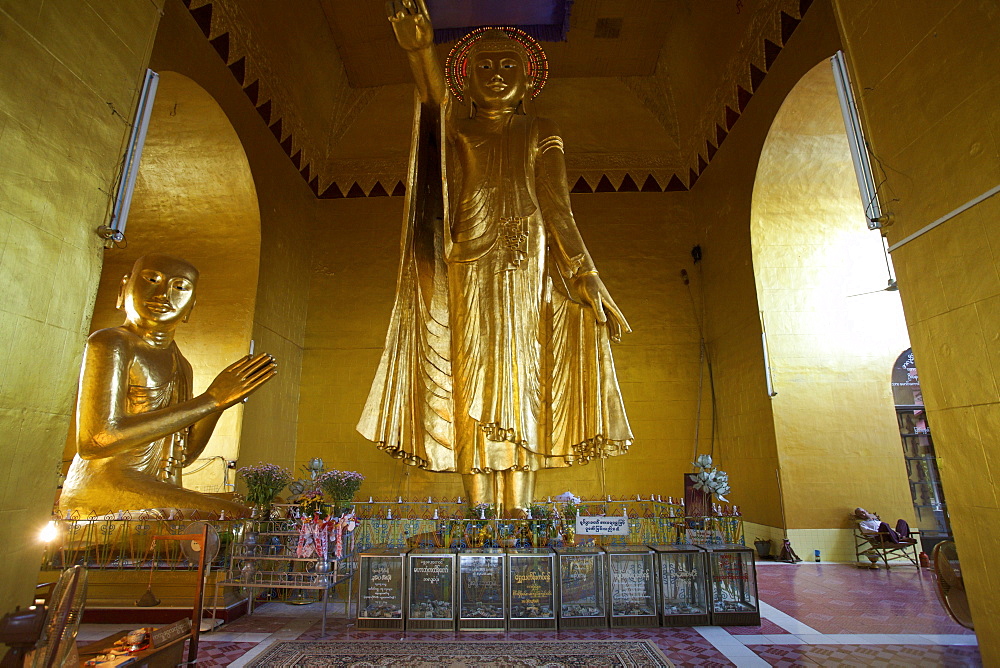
(683, 584)
(380, 589)
(430, 599)
(632, 586)
(531, 588)
(581, 591)
(733, 585)
(481, 589)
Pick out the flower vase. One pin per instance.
(261, 512)
(539, 534)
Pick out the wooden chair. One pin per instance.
(883, 544)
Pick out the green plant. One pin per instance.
(481, 511)
(264, 482)
(340, 485)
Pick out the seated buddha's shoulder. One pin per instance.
(113, 341)
(112, 336)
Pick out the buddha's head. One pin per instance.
(496, 74)
(159, 293)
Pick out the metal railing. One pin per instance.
(124, 541)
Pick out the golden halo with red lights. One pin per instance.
(457, 63)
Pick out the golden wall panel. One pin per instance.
(63, 62)
(831, 353)
(640, 243)
(286, 208)
(722, 202)
(945, 151)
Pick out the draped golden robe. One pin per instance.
(130, 480)
(490, 363)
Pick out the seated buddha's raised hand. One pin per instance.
(241, 378)
(412, 23)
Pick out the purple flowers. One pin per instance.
(340, 485)
(263, 482)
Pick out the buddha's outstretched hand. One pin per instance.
(412, 23)
(240, 379)
(591, 290)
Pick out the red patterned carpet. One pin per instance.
(433, 654)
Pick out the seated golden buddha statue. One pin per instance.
(137, 425)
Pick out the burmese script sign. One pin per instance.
(163, 636)
(430, 587)
(482, 586)
(531, 587)
(581, 585)
(683, 590)
(601, 526)
(632, 585)
(382, 583)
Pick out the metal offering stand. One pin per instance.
(263, 558)
(683, 584)
(430, 598)
(733, 590)
(531, 593)
(632, 586)
(380, 589)
(481, 589)
(582, 599)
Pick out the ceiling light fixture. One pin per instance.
(859, 147)
(114, 231)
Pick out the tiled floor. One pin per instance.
(813, 614)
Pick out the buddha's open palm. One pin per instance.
(238, 380)
(411, 22)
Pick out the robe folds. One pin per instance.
(490, 362)
(126, 480)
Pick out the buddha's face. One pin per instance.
(496, 79)
(159, 291)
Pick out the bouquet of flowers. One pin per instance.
(710, 479)
(263, 482)
(310, 503)
(340, 485)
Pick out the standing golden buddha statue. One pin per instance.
(137, 424)
(498, 358)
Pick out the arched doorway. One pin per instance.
(195, 199)
(830, 345)
(918, 452)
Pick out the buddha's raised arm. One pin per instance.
(106, 428)
(570, 252)
(414, 32)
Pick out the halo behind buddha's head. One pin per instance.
(496, 39)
